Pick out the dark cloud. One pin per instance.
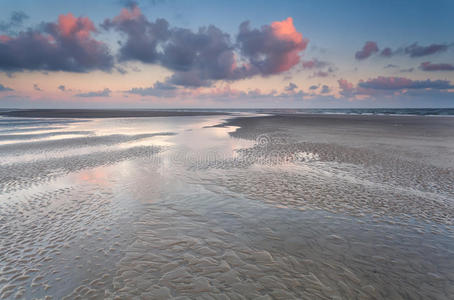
(428, 66)
(159, 89)
(399, 83)
(409, 70)
(325, 89)
(322, 74)
(387, 52)
(195, 57)
(415, 50)
(66, 45)
(104, 93)
(199, 57)
(5, 89)
(368, 49)
(15, 21)
(390, 66)
(62, 88)
(120, 70)
(291, 87)
(37, 88)
(202, 56)
(143, 36)
(391, 86)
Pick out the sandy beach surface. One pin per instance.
(240, 206)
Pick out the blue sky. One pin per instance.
(416, 32)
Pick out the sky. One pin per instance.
(226, 54)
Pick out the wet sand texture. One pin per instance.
(279, 207)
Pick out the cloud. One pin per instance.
(66, 45)
(63, 88)
(314, 64)
(391, 87)
(322, 73)
(400, 83)
(273, 48)
(16, 20)
(159, 89)
(324, 69)
(291, 87)
(37, 88)
(387, 52)
(143, 36)
(228, 93)
(195, 57)
(5, 89)
(368, 49)
(104, 93)
(346, 88)
(200, 57)
(428, 66)
(325, 89)
(414, 50)
(409, 70)
(389, 66)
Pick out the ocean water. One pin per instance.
(158, 208)
(346, 111)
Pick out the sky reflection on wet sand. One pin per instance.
(199, 212)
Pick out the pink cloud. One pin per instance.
(368, 49)
(128, 14)
(70, 26)
(4, 38)
(345, 85)
(390, 85)
(272, 49)
(66, 45)
(285, 31)
(428, 66)
(199, 58)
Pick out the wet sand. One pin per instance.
(406, 162)
(217, 207)
(411, 137)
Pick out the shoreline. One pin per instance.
(131, 113)
(104, 113)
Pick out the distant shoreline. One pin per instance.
(137, 113)
(107, 113)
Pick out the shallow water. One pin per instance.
(156, 208)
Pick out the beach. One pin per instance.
(225, 205)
